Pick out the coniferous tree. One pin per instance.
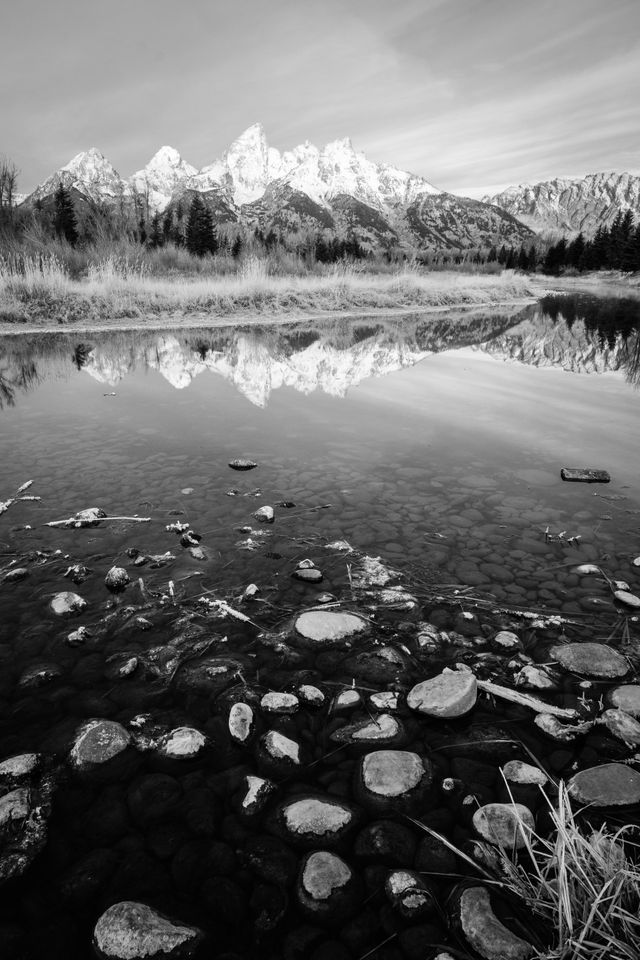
(64, 222)
(533, 258)
(200, 236)
(156, 237)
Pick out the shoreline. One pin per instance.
(194, 321)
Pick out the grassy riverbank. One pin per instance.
(40, 291)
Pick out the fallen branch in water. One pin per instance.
(76, 522)
(525, 700)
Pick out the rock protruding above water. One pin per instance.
(278, 753)
(68, 604)
(242, 464)
(504, 824)
(254, 795)
(450, 694)
(279, 703)
(264, 514)
(130, 930)
(383, 730)
(308, 574)
(625, 697)
(320, 628)
(608, 785)
(182, 743)
(315, 821)
(585, 475)
(241, 722)
(326, 887)
(590, 659)
(116, 579)
(96, 743)
(627, 598)
(394, 780)
(409, 894)
(482, 930)
(622, 725)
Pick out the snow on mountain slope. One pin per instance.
(90, 173)
(570, 206)
(165, 171)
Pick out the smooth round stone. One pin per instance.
(319, 627)
(517, 771)
(13, 576)
(130, 930)
(504, 824)
(279, 703)
(264, 514)
(308, 575)
(242, 464)
(384, 730)
(256, 794)
(241, 722)
(591, 659)
(625, 697)
(183, 743)
(326, 887)
(311, 696)
(67, 604)
(409, 895)
(393, 779)
(629, 599)
(97, 742)
(490, 939)
(116, 579)
(622, 726)
(450, 694)
(608, 785)
(315, 821)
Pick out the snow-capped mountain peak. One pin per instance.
(158, 180)
(90, 173)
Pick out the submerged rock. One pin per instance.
(130, 930)
(626, 697)
(25, 807)
(395, 780)
(608, 785)
(383, 730)
(504, 824)
(590, 659)
(482, 930)
(622, 726)
(409, 894)
(450, 694)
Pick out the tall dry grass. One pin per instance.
(40, 289)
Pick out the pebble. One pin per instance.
(130, 930)
(264, 514)
(326, 886)
(242, 464)
(182, 743)
(628, 599)
(394, 779)
(450, 694)
(241, 722)
(256, 794)
(308, 574)
(622, 726)
(311, 695)
(625, 697)
(408, 893)
(384, 729)
(13, 576)
(315, 821)
(279, 703)
(97, 742)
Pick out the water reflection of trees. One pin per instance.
(608, 320)
(14, 378)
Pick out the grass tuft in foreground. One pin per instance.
(39, 290)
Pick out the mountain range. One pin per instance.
(338, 189)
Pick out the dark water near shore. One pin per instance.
(434, 443)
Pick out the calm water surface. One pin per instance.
(434, 443)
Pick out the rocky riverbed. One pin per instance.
(289, 760)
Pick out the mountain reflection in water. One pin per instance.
(577, 333)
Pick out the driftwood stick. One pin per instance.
(524, 700)
(72, 522)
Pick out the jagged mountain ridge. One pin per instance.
(565, 206)
(336, 189)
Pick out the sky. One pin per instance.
(474, 95)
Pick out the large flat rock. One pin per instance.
(590, 659)
(450, 694)
(608, 785)
(129, 930)
(325, 627)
